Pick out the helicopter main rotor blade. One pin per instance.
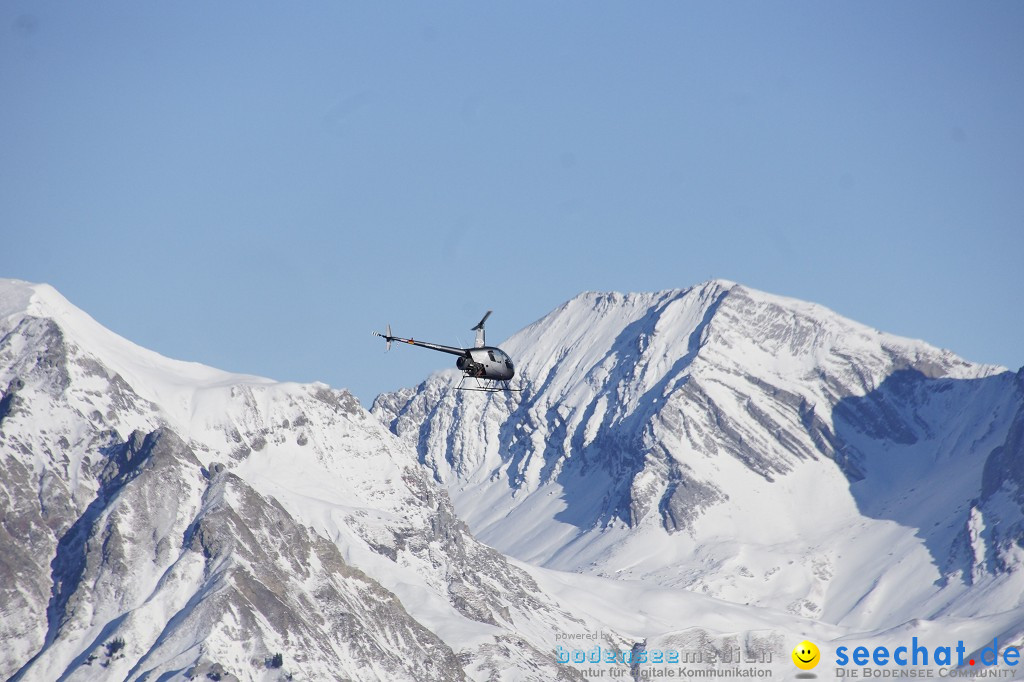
(480, 324)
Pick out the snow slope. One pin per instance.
(207, 519)
(754, 448)
(711, 470)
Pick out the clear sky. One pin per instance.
(257, 186)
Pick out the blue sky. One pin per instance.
(257, 186)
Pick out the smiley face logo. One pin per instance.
(806, 655)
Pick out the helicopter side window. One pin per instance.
(490, 353)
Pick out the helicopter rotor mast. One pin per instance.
(479, 329)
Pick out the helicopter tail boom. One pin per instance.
(422, 344)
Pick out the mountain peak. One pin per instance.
(21, 297)
(154, 377)
(716, 416)
(151, 504)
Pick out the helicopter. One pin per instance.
(490, 366)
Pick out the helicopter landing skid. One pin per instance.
(486, 385)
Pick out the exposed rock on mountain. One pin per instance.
(744, 445)
(164, 519)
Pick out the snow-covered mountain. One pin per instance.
(758, 449)
(710, 470)
(163, 519)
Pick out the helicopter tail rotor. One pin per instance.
(387, 338)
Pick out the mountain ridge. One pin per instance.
(715, 467)
(244, 510)
(645, 417)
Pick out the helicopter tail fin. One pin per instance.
(479, 329)
(387, 338)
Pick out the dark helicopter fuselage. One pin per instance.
(488, 362)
